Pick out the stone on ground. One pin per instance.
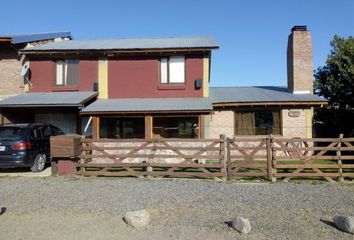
(345, 223)
(137, 219)
(242, 225)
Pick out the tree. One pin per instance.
(335, 82)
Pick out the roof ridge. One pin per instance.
(141, 38)
(39, 33)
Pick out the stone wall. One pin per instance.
(11, 81)
(295, 123)
(221, 122)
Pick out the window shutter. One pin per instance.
(163, 68)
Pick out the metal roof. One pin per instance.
(127, 44)
(149, 104)
(54, 99)
(258, 94)
(32, 37)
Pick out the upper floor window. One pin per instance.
(172, 69)
(67, 72)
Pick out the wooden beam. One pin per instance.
(95, 127)
(148, 127)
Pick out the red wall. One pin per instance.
(42, 76)
(88, 74)
(131, 77)
(139, 78)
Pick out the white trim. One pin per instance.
(302, 92)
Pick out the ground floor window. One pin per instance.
(121, 127)
(257, 122)
(176, 127)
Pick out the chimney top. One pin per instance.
(299, 28)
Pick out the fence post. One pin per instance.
(222, 153)
(269, 158)
(273, 157)
(339, 155)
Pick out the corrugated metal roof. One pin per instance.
(149, 104)
(258, 94)
(32, 37)
(48, 99)
(128, 44)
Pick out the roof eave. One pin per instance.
(145, 112)
(39, 105)
(270, 103)
(117, 51)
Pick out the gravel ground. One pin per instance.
(92, 208)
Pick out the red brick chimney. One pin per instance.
(300, 61)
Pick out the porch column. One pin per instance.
(95, 127)
(201, 126)
(148, 126)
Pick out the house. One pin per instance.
(11, 81)
(136, 88)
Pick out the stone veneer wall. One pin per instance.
(300, 126)
(220, 122)
(223, 122)
(11, 81)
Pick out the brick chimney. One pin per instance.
(299, 61)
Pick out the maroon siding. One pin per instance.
(139, 78)
(42, 76)
(131, 77)
(88, 74)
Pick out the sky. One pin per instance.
(252, 34)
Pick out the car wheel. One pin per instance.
(39, 163)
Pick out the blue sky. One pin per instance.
(252, 34)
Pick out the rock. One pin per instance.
(345, 223)
(242, 225)
(137, 219)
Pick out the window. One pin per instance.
(46, 131)
(176, 127)
(257, 122)
(113, 127)
(67, 72)
(172, 69)
(56, 131)
(36, 133)
(11, 133)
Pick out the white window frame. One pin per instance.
(173, 70)
(61, 72)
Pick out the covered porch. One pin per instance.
(146, 118)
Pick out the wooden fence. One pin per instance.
(153, 157)
(269, 158)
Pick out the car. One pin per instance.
(26, 145)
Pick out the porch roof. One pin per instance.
(48, 99)
(261, 95)
(149, 105)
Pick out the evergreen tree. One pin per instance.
(335, 82)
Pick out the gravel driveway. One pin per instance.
(91, 208)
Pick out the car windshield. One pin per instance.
(11, 133)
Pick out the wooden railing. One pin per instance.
(269, 158)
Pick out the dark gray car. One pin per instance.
(26, 145)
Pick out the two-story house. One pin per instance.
(136, 88)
